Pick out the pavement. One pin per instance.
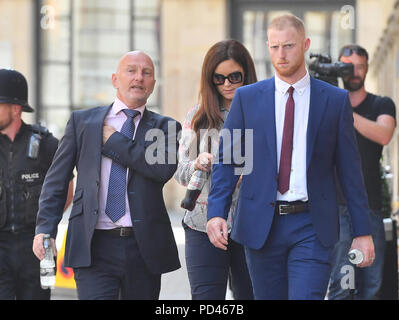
(174, 285)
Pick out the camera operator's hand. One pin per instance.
(203, 162)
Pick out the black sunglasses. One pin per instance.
(235, 77)
(348, 51)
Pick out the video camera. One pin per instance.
(323, 69)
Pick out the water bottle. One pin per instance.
(194, 188)
(355, 256)
(47, 265)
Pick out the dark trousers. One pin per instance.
(292, 264)
(117, 271)
(19, 268)
(209, 268)
(345, 276)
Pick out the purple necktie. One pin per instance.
(286, 145)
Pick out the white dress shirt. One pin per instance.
(298, 183)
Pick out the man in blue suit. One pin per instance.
(287, 214)
(119, 238)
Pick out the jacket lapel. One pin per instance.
(317, 106)
(95, 129)
(268, 116)
(146, 123)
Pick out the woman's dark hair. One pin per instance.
(209, 115)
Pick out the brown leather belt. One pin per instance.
(121, 232)
(284, 207)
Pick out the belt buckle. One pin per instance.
(123, 232)
(282, 206)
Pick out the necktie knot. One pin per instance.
(291, 90)
(131, 113)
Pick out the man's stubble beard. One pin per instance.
(353, 86)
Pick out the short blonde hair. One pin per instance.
(287, 20)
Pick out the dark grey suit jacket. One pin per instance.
(82, 147)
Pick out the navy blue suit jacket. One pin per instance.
(82, 147)
(331, 145)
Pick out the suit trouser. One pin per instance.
(117, 271)
(209, 268)
(292, 264)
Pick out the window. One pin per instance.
(323, 23)
(81, 42)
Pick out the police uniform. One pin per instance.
(21, 180)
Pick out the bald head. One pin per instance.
(131, 55)
(134, 79)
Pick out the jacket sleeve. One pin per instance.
(55, 188)
(224, 177)
(156, 159)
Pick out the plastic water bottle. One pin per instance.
(47, 265)
(355, 256)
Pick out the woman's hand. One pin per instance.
(203, 162)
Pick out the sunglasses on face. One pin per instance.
(235, 77)
(347, 52)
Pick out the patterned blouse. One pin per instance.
(187, 155)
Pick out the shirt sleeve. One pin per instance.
(387, 106)
(186, 154)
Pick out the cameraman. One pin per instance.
(22, 171)
(374, 121)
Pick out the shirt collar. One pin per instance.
(119, 105)
(300, 86)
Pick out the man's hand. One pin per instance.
(38, 248)
(107, 132)
(366, 246)
(217, 232)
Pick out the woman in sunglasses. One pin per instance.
(226, 67)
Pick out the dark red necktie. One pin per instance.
(286, 145)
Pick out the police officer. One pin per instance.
(26, 153)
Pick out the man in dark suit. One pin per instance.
(287, 214)
(119, 238)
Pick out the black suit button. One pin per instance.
(95, 212)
